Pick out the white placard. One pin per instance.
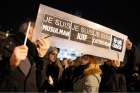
(71, 32)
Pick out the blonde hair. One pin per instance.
(94, 67)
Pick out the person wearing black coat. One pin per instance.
(132, 67)
(125, 78)
(21, 77)
(112, 80)
(52, 71)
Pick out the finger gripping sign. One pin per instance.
(71, 32)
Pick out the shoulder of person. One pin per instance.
(92, 80)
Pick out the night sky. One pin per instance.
(120, 15)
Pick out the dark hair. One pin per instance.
(24, 25)
(87, 57)
(65, 59)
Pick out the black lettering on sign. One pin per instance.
(117, 44)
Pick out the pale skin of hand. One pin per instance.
(128, 44)
(19, 54)
(42, 47)
(116, 63)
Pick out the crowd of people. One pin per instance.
(34, 67)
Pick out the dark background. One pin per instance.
(120, 15)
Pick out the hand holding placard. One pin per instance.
(42, 46)
(71, 32)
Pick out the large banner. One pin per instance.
(71, 32)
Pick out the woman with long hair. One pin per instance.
(87, 75)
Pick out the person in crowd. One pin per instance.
(87, 76)
(131, 68)
(19, 62)
(65, 63)
(123, 78)
(66, 84)
(52, 71)
(112, 79)
(70, 62)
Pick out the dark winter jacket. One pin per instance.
(112, 80)
(132, 69)
(50, 69)
(14, 79)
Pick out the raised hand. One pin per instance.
(19, 54)
(128, 44)
(42, 47)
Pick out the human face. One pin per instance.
(84, 61)
(53, 56)
(65, 62)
